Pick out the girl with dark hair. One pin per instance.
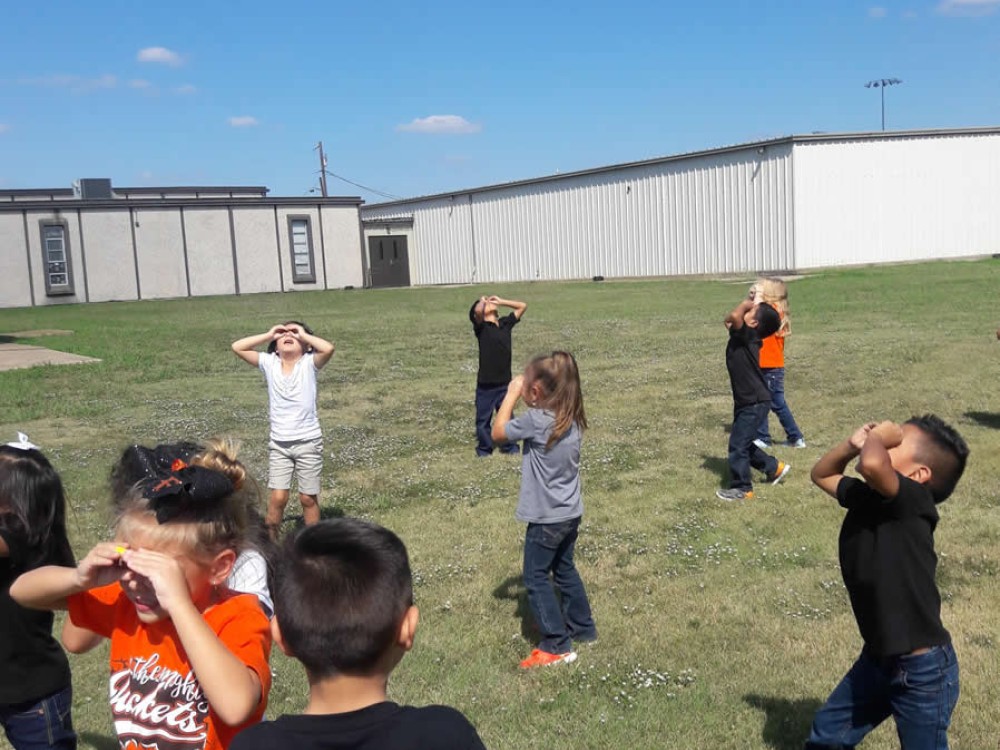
(35, 689)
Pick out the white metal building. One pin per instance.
(785, 204)
(93, 243)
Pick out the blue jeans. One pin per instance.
(488, 400)
(918, 691)
(548, 547)
(775, 379)
(40, 725)
(742, 452)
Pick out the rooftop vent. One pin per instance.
(93, 188)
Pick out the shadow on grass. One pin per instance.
(717, 465)
(786, 722)
(5, 339)
(98, 742)
(985, 418)
(513, 589)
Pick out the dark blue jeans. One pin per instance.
(775, 378)
(548, 548)
(742, 452)
(488, 400)
(919, 692)
(40, 725)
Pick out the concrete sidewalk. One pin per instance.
(20, 356)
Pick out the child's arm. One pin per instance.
(233, 689)
(735, 318)
(322, 349)
(245, 347)
(517, 306)
(78, 640)
(499, 430)
(50, 586)
(875, 463)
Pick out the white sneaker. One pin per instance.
(761, 444)
(800, 443)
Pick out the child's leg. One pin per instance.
(575, 605)
(742, 451)
(308, 475)
(484, 415)
(498, 397)
(541, 541)
(924, 694)
(275, 512)
(776, 383)
(43, 724)
(855, 707)
(281, 465)
(764, 431)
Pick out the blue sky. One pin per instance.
(417, 98)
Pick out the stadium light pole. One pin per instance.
(881, 83)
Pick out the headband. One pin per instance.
(23, 444)
(172, 486)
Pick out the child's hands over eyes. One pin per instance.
(890, 432)
(295, 330)
(163, 573)
(101, 566)
(516, 385)
(857, 440)
(277, 331)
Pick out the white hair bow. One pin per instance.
(23, 443)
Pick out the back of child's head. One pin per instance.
(768, 320)
(341, 590)
(943, 451)
(774, 292)
(558, 384)
(32, 501)
(272, 346)
(198, 495)
(475, 312)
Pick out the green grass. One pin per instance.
(722, 626)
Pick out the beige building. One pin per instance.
(95, 243)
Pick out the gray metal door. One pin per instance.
(389, 261)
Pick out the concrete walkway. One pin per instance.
(19, 356)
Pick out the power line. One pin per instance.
(363, 187)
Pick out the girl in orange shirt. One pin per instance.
(189, 657)
(772, 363)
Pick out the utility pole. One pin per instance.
(881, 83)
(322, 168)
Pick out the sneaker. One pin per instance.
(733, 494)
(762, 444)
(780, 473)
(800, 443)
(541, 658)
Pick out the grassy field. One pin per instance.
(722, 625)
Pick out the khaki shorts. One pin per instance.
(303, 458)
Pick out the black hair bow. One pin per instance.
(175, 489)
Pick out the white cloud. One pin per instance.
(243, 121)
(185, 89)
(159, 55)
(877, 11)
(139, 83)
(967, 7)
(440, 124)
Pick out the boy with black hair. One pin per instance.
(749, 323)
(343, 606)
(495, 348)
(907, 667)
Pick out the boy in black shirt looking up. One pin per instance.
(907, 667)
(749, 323)
(495, 346)
(343, 606)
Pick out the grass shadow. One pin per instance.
(5, 339)
(98, 741)
(513, 589)
(717, 465)
(985, 418)
(786, 722)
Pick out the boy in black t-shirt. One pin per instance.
(749, 323)
(494, 336)
(907, 667)
(343, 606)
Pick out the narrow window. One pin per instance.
(55, 259)
(300, 241)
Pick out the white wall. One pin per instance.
(159, 246)
(342, 235)
(14, 288)
(110, 262)
(210, 251)
(257, 249)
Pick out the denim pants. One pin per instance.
(918, 691)
(742, 452)
(775, 379)
(548, 548)
(40, 725)
(488, 400)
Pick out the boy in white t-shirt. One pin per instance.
(294, 354)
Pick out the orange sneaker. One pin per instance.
(541, 658)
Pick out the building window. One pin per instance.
(300, 242)
(55, 258)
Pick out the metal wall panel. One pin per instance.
(899, 199)
(716, 213)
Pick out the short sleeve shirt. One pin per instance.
(291, 398)
(495, 350)
(550, 477)
(155, 697)
(888, 563)
(743, 364)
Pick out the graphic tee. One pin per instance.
(291, 398)
(156, 700)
